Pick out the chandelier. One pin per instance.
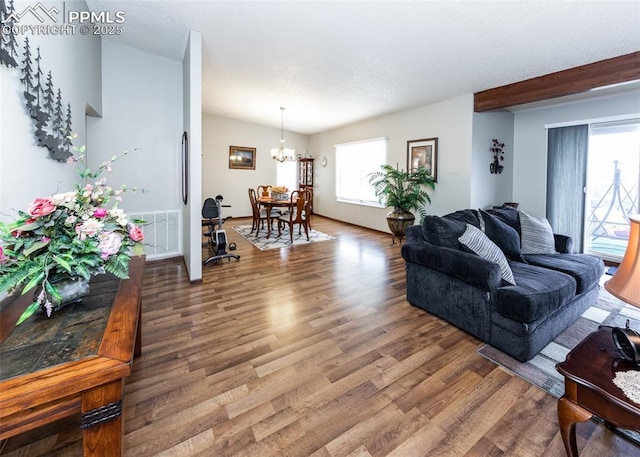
(281, 154)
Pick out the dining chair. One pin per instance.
(263, 191)
(309, 208)
(298, 213)
(259, 214)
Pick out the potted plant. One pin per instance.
(403, 191)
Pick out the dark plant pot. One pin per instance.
(71, 291)
(398, 221)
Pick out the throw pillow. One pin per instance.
(508, 215)
(537, 235)
(442, 231)
(504, 236)
(478, 242)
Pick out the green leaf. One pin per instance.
(32, 283)
(63, 263)
(34, 247)
(28, 227)
(31, 309)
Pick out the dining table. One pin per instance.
(268, 203)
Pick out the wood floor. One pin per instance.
(314, 350)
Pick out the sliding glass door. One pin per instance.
(613, 187)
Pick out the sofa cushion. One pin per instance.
(538, 293)
(537, 235)
(466, 216)
(442, 231)
(474, 239)
(584, 268)
(503, 235)
(508, 215)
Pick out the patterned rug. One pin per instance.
(541, 370)
(275, 241)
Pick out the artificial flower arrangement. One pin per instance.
(280, 192)
(497, 149)
(73, 234)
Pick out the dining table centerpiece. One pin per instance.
(61, 241)
(280, 193)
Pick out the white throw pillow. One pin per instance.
(536, 235)
(479, 243)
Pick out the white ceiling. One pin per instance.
(332, 63)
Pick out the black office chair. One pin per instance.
(216, 235)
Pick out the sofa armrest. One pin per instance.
(564, 243)
(461, 265)
(413, 233)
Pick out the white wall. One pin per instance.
(26, 172)
(450, 121)
(192, 124)
(491, 189)
(218, 134)
(142, 114)
(530, 141)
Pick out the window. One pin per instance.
(354, 162)
(286, 174)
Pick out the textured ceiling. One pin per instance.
(337, 62)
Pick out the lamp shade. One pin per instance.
(625, 283)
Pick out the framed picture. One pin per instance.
(241, 158)
(423, 154)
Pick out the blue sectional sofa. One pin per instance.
(547, 287)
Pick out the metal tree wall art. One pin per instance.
(497, 149)
(42, 100)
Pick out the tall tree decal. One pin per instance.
(56, 124)
(52, 125)
(57, 129)
(48, 94)
(27, 76)
(8, 43)
(67, 132)
(38, 77)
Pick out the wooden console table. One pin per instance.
(589, 390)
(72, 363)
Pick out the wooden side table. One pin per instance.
(589, 390)
(75, 362)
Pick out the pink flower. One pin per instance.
(46, 239)
(88, 228)
(41, 207)
(135, 233)
(3, 258)
(110, 243)
(100, 213)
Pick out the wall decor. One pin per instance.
(185, 167)
(423, 154)
(242, 158)
(42, 100)
(497, 149)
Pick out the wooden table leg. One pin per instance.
(102, 422)
(137, 350)
(268, 221)
(568, 414)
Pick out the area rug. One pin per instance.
(283, 241)
(541, 370)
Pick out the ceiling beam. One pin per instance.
(566, 82)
